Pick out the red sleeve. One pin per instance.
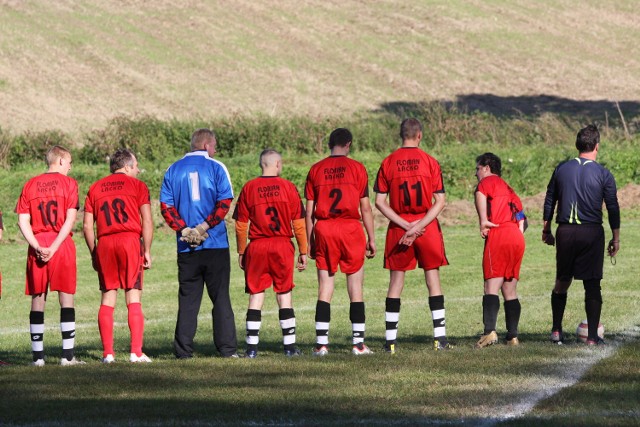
(381, 185)
(219, 212)
(143, 194)
(436, 177)
(309, 193)
(365, 182)
(172, 217)
(241, 212)
(297, 208)
(73, 199)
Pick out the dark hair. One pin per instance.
(491, 160)
(340, 137)
(409, 128)
(587, 139)
(121, 158)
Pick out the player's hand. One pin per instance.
(193, 237)
(302, 262)
(613, 247)
(485, 226)
(46, 254)
(407, 239)
(240, 259)
(198, 240)
(187, 234)
(417, 231)
(547, 237)
(94, 259)
(147, 261)
(371, 249)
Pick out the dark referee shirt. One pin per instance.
(580, 186)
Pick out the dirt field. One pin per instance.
(73, 65)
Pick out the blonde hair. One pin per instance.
(56, 152)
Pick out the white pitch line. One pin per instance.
(568, 372)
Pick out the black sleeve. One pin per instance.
(550, 198)
(611, 201)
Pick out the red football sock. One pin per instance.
(136, 326)
(105, 324)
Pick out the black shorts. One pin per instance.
(579, 251)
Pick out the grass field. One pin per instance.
(417, 386)
(76, 65)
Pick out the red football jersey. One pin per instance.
(47, 197)
(269, 204)
(410, 177)
(337, 184)
(115, 203)
(502, 202)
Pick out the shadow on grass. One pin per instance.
(509, 106)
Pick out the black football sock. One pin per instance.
(558, 303)
(490, 308)
(512, 310)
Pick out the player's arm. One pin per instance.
(24, 223)
(550, 200)
(90, 236)
(242, 231)
(309, 224)
(383, 206)
(483, 221)
(147, 233)
(172, 217)
(367, 220)
(64, 232)
(220, 210)
(88, 231)
(1, 226)
(300, 232)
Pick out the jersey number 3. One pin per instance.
(273, 212)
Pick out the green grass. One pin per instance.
(416, 386)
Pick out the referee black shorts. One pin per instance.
(579, 251)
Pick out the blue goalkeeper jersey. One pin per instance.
(193, 185)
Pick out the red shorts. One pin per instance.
(60, 273)
(339, 242)
(269, 261)
(503, 252)
(427, 251)
(120, 258)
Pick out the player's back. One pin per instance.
(115, 202)
(47, 197)
(502, 202)
(410, 177)
(194, 184)
(269, 204)
(336, 184)
(581, 186)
